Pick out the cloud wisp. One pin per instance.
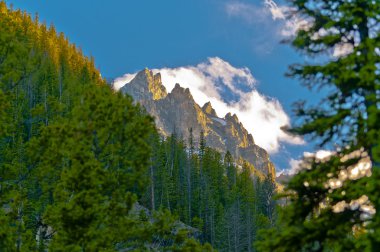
(231, 89)
(295, 165)
(248, 12)
(284, 22)
(121, 81)
(273, 16)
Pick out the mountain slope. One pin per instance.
(178, 112)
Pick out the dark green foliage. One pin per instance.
(225, 201)
(30, 97)
(333, 205)
(73, 153)
(91, 161)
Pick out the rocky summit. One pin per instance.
(178, 112)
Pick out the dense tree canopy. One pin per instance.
(82, 167)
(87, 164)
(333, 203)
(227, 200)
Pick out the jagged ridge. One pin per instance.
(178, 112)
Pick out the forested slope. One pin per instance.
(226, 199)
(75, 157)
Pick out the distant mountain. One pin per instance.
(178, 112)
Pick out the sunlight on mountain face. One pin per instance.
(230, 89)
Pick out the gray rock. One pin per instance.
(178, 112)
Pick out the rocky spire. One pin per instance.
(146, 86)
(181, 93)
(232, 118)
(155, 85)
(208, 109)
(178, 111)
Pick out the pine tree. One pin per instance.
(333, 205)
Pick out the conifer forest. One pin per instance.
(84, 167)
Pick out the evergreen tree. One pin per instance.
(75, 161)
(333, 204)
(88, 165)
(235, 201)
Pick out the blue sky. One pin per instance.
(127, 36)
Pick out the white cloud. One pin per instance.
(293, 25)
(295, 165)
(216, 79)
(278, 18)
(217, 68)
(248, 12)
(255, 13)
(277, 12)
(320, 154)
(343, 49)
(290, 23)
(353, 172)
(121, 81)
(285, 23)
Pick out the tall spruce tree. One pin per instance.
(334, 203)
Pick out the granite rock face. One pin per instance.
(178, 112)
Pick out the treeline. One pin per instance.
(227, 200)
(78, 162)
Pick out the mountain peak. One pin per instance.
(178, 111)
(232, 118)
(146, 84)
(155, 85)
(179, 91)
(144, 74)
(208, 109)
